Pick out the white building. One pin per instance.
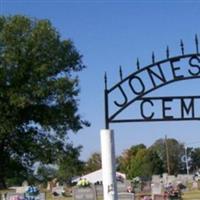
(95, 176)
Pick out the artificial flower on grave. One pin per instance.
(32, 191)
(83, 183)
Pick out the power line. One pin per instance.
(167, 155)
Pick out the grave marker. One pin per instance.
(87, 193)
(58, 190)
(125, 196)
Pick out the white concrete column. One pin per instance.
(108, 164)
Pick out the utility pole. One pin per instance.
(186, 160)
(167, 155)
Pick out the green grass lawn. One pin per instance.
(193, 195)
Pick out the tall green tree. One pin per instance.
(70, 165)
(195, 159)
(93, 163)
(141, 162)
(152, 163)
(137, 164)
(175, 153)
(39, 90)
(126, 159)
(46, 173)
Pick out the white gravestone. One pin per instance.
(156, 188)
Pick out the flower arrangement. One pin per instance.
(32, 191)
(136, 180)
(16, 197)
(83, 183)
(136, 183)
(173, 192)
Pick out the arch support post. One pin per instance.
(108, 164)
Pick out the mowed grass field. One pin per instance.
(192, 195)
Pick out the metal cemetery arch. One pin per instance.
(133, 89)
(156, 73)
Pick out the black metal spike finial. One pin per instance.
(182, 47)
(153, 58)
(120, 72)
(197, 43)
(167, 52)
(105, 80)
(138, 64)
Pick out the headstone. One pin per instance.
(194, 185)
(17, 196)
(87, 193)
(21, 190)
(155, 179)
(125, 196)
(165, 178)
(49, 186)
(159, 197)
(3, 196)
(4, 193)
(99, 190)
(14, 196)
(156, 188)
(146, 198)
(58, 190)
(121, 187)
(181, 178)
(57, 184)
(171, 179)
(40, 196)
(146, 187)
(25, 184)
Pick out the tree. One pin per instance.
(195, 159)
(137, 163)
(125, 160)
(46, 173)
(39, 91)
(175, 152)
(70, 165)
(93, 163)
(140, 161)
(152, 163)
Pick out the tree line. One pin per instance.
(139, 160)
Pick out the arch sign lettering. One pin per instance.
(133, 91)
